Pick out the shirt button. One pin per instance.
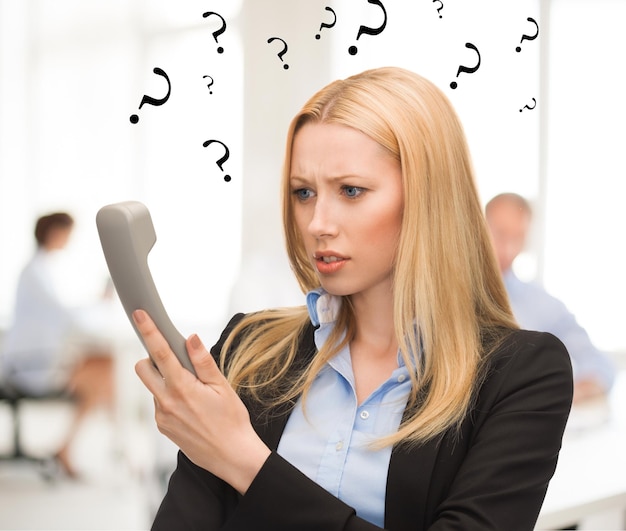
(365, 415)
(401, 378)
(339, 445)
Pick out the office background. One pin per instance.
(72, 73)
(546, 122)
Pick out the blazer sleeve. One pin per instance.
(505, 460)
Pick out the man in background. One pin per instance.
(509, 217)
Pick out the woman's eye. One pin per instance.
(302, 193)
(352, 191)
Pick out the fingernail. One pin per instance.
(195, 341)
(139, 316)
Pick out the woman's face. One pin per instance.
(347, 201)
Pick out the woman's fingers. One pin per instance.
(203, 416)
(149, 375)
(207, 370)
(168, 368)
(159, 349)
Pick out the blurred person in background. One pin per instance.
(48, 350)
(509, 219)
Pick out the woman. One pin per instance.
(403, 395)
(47, 351)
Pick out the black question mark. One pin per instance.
(324, 25)
(153, 101)
(462, 68)
(282, 52)
(529, 37)
(370, 31)
(210, 84)
(221, 30)
(221, 161)
(527, 107)
(439, 8)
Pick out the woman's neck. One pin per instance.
(374, 347)
(373, 314)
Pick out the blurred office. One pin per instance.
(545, 122)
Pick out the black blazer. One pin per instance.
(492, 474)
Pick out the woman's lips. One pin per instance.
(328, 263)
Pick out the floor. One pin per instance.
(117, 490)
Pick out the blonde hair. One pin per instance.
(450, 306)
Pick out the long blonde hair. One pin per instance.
(450, 305)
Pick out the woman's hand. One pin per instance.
(203, 416)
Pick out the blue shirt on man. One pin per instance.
(535, 309)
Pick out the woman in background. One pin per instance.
(403, 395)
(45, 351)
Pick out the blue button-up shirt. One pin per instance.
(331, 444)
(535, 309)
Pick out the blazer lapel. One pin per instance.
(408, 482)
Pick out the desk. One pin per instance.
(590, 477)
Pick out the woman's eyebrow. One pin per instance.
(296, 179)
(334, 178)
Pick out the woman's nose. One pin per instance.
(323, 223)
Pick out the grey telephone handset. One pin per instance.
(127, 236)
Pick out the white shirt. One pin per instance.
(35, 351)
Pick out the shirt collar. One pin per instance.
(322, 306)
(323, 310)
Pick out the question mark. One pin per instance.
(453, 85)
(324, 25)
(221, 161)
(439, 8)
(209, 85)
(282, 52)
(528, 37)
(153, 101)
(527, 107)
(370, 31)
(217, 33)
